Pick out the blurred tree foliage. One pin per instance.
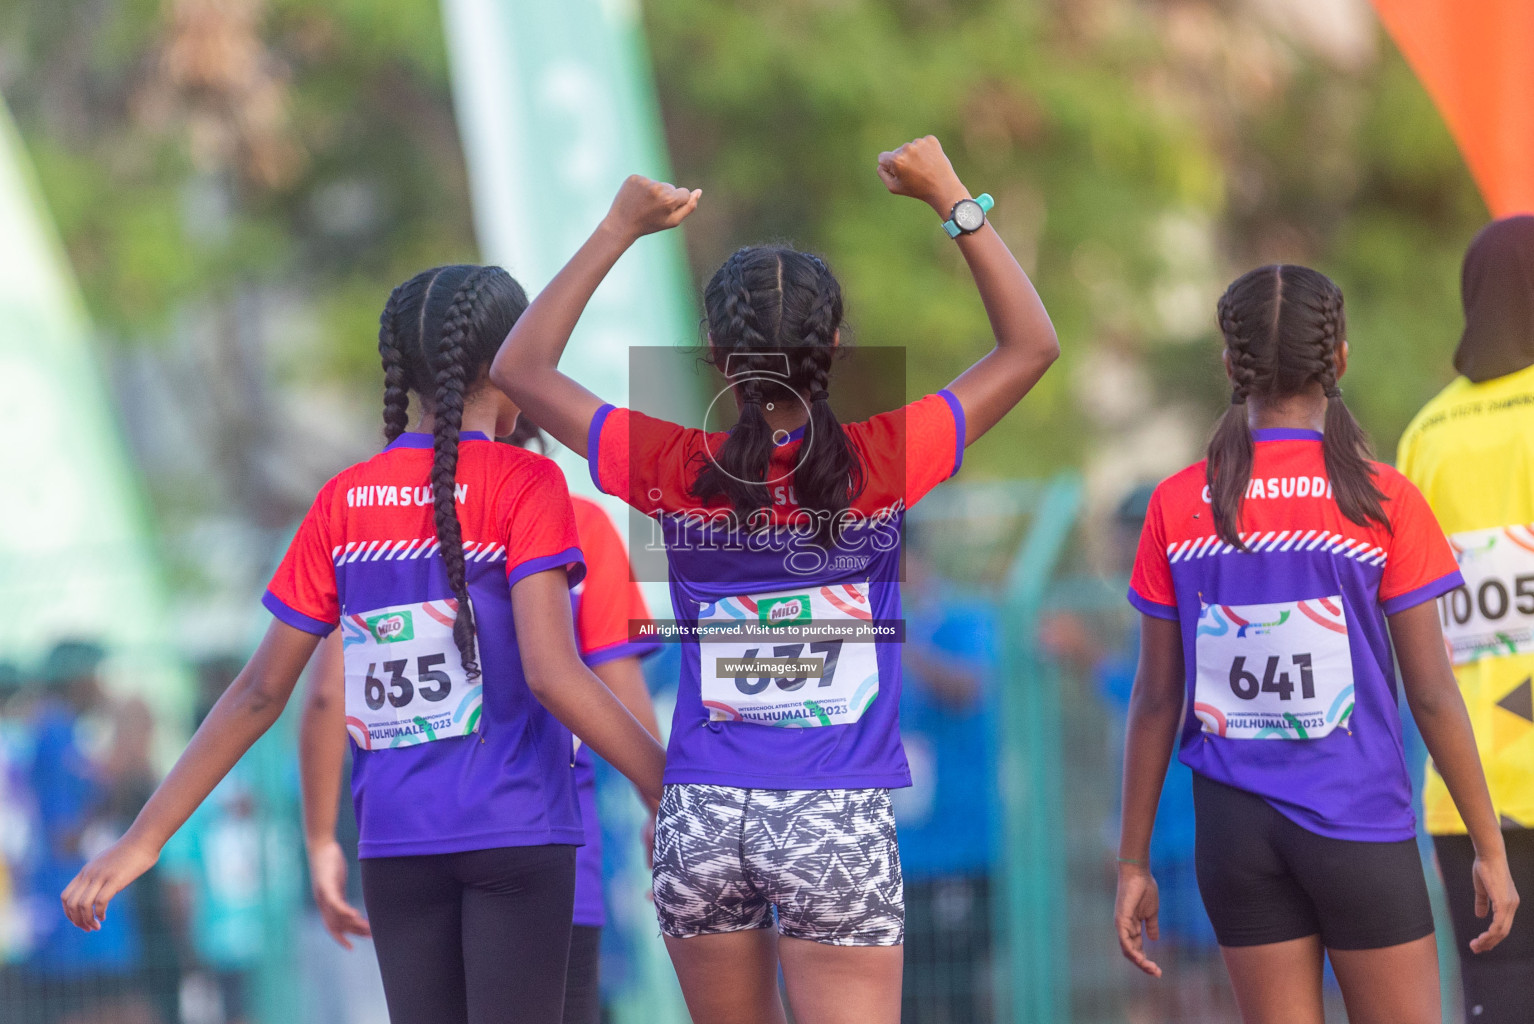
(1142, 153)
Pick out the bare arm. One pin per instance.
(246, 710)
(540, 605)
(625, 678)
(527, 366)
(1026, 344)
(322, 761)
(1155, 713)
(1440, 713)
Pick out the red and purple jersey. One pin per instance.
(369, 542)
(1291, 690)
(605, 602)
(836, 722)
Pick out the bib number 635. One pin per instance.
(399, 690)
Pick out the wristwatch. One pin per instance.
(968, 215)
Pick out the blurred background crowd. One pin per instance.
(228, 189)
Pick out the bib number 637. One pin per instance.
(1244, 683)
(431, 683)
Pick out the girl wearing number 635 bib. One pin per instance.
(447, 561)
(1279, 582)
(775, 844)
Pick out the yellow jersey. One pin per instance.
(1471, 453)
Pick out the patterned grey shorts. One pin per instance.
(826, 859)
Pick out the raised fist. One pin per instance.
(921, 170)
(643, 206)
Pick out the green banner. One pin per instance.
(556, 107)
(76, 558)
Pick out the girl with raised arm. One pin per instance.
(775, 843)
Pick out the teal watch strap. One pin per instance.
(983, 200)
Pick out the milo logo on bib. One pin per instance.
(392, 627)
(784, 611)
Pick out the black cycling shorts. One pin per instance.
(1266, 879)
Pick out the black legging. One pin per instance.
(473, 938)
(583, 980)
(1498, 984)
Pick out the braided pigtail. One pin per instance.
(450, 369)
(830, 474)
(1231, 450)
(738, 470)
(1349, 456)
(396, 411)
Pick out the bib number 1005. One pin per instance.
(1244, 683)
(431, 683)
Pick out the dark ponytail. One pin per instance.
(396, 411)
(437, 336)
(773, 316)
(1283, 327)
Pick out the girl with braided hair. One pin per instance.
(775, 844)
(1275, 581)
(447, 561)
(605, 602)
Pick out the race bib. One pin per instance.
(405, 682)
(1274, 671)
(798, 665)
(1492, 615)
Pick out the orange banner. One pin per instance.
(1476, 58)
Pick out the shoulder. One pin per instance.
(1392, 482)
(1183, 487)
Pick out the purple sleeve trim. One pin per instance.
(1155, 609)
(594, 445)
(1412, 598)
(296, 619)
(570, 557)
(959, 427)
(622, 649)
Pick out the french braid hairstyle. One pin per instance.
(1283, 326)
(764, 305)
(437, 336)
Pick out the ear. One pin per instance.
(836, 338)
(1340, 358)
(1225, 359)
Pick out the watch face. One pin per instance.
(968, 215)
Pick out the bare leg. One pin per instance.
(730, 978)
(842, 984)
(1278, 983)
(1394, 985)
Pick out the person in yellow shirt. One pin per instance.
(1471, 452)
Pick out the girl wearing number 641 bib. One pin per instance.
(1275, 580)
(775, 844)
(447, 561)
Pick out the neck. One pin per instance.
(1305, 411)
(479, 413)
(785, 414)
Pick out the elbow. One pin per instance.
(1048, 348)
(543, 677)
(503, 370)
(261, 701)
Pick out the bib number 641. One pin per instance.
(431, 683)
(1244, 683)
